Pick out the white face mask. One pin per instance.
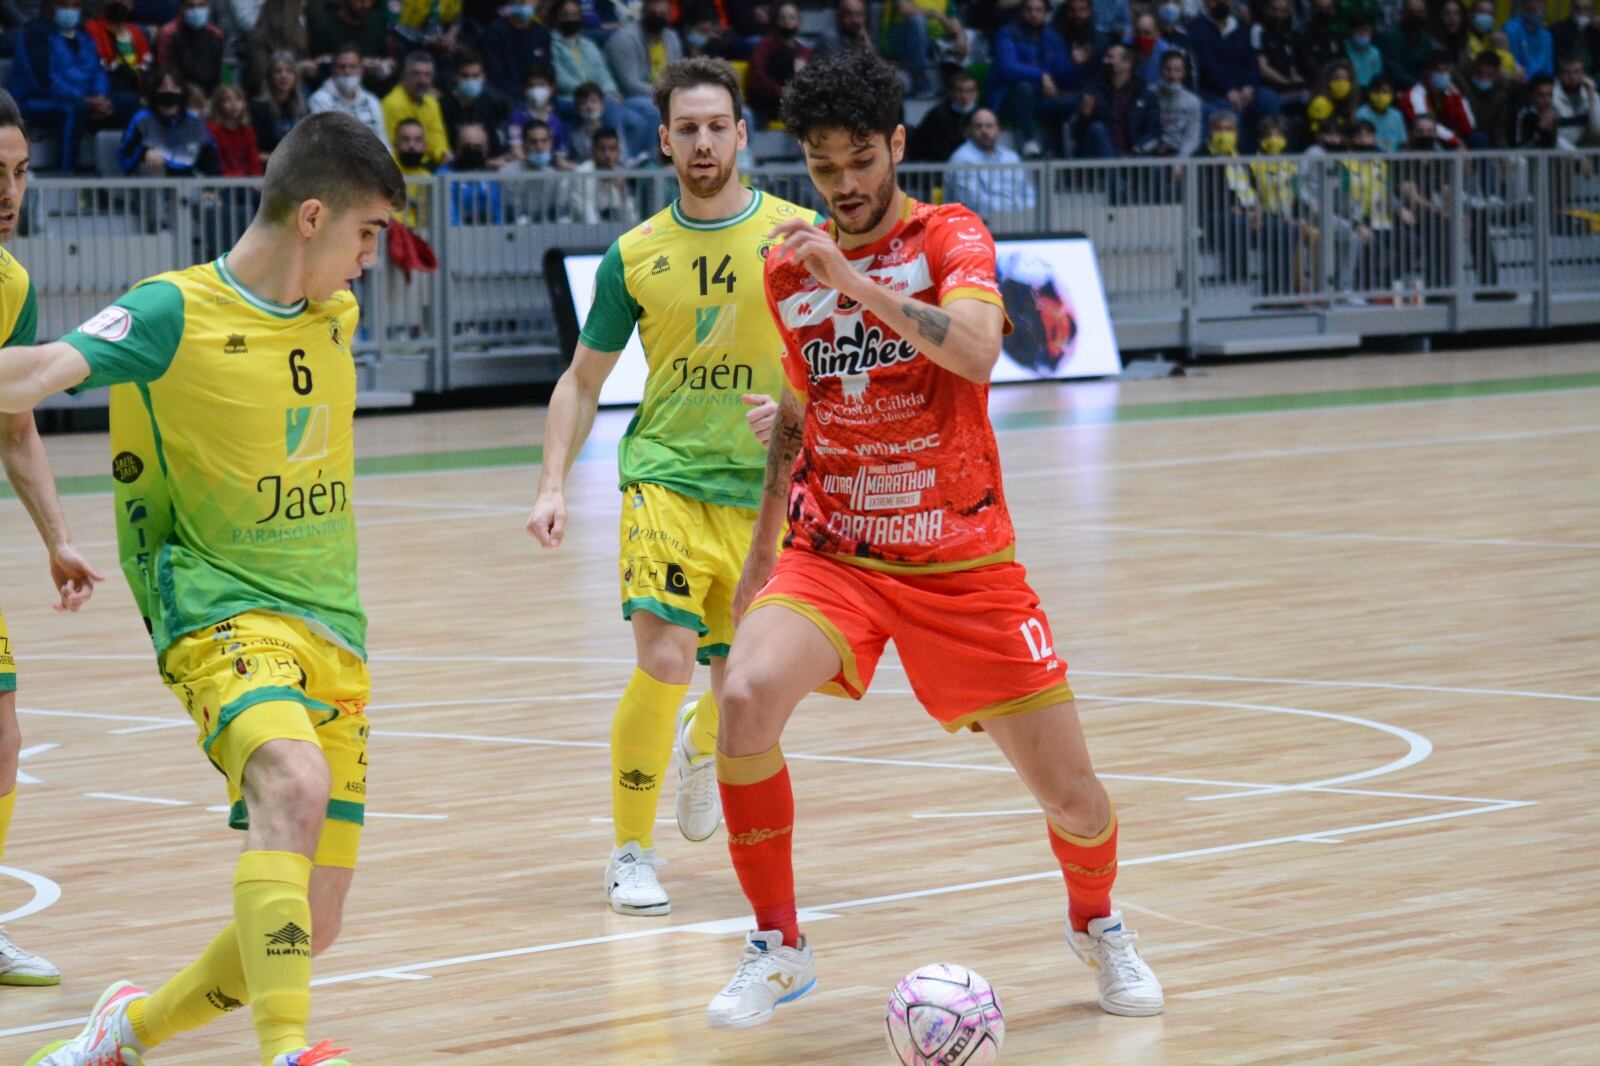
(347, 84)
(539, 95)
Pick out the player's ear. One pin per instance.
(744, 133)
(310, 217)
(897, 145)
(661, 135)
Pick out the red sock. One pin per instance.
(1090, 866)
(758, 805)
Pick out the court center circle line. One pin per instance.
(45, 893)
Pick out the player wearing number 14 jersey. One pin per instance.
(892, 322)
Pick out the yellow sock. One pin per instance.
(202, 992)
(641, 748)
(703, 725)
(272, 917)
(8, 803)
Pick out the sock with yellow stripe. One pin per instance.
(272, 917)
(758, 807)
(641, 748)
(1089, 865)
(8, 803)
(202, 992)
(703, 724)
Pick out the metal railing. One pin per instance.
(1194, 253)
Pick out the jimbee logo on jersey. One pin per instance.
(305, 433)
(856, 352)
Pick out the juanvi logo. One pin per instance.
(305, 433)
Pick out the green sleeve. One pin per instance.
(26, 331)
(612, 318)
(134, 339)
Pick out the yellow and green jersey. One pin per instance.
(696, 293)
(19, 312)
(232, 452)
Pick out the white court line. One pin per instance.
(1314, 683)
(1177, 531)
(176, 723)
(90, 714)
(23, 777)
(139, 799)
(45, 893)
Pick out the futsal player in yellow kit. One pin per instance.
(28, 470)
(231, 431)
(690, 470)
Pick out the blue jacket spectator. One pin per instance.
(1112, 18)
(511, 46)
(58, 81)
(1032, 76)
(165, 139)
(1172, 38)
(1125, 116)
(1223, 57)
(1530, 41)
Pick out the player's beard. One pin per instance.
(707, 186)
(877, 206)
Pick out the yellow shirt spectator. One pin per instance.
(399, 106)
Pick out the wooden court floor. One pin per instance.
(1335, 632)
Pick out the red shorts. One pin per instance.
(974, 643)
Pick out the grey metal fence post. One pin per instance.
(1544, 207)
(443, 326)
(1188, 254)
(1460, 241)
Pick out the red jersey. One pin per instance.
(899, 466)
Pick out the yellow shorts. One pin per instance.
(260, 677)
(8, 665)
(680, 559)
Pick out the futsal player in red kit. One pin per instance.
(892, 320)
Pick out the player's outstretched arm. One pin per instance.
(566, 427)
(29, 374)
(788, 432)
(28, 469)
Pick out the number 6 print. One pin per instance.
(1038, 639)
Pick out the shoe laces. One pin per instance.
(750, 964)
(1120, 956)
(632, 874)
(322, 1052)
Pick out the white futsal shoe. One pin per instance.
(699, 803)
(1127, 984)
(105, 1040)
(769, 974)
(631, 883)
(19, 967)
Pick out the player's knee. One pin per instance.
(743, 728)
(669, 662)
(1078, 803)
(289, 786)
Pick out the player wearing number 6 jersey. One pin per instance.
(892, 322)
(231, 426)
(690, 280)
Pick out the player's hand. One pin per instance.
(820, 254)
(548, 522)
(74, 577)
(761, 416)
(756, 573)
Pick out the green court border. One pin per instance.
(486, 458)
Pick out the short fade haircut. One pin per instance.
(333, 158)
(11, 114)
(605, 133)
(853, 90)
(693, 73)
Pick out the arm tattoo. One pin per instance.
(932, 324)
(787, 435)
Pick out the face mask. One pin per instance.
(590, 115)
(1483, 22)
(1144, 43)
(1362, 41)
(787, 32)
(347, 84)
(1171, 13)
(196, 16)
(538, 95)
(570, 28)
(697, 41)
(522, 12)
(1273, 145)
(470, 87)
(1484, 85)
(1170, 87)
(167, 100)
(963, 110)
(117, 13)
(1223, 142)
(1440, 81)
(653, 23)
(540, 160)
(1380, 101)
(67, 18)
(1339, 88)
(471, 159)
(1582, 21)
(410, 158)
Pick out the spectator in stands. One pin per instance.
(600, 17)
(1450, 30)
(1483, 37)
(1275, 42)
(432, 25)
(511, 47)
(589, 111)
(1113, 18)
(910, 27)
(1437, 95)
(849, 31)
(472, 102)
(58, 82)
(1320, 41)
(637, 53)
(538, 105)
(1579, 35)
(1142, 37)
(1033, 77)
(1276, 226)
(1531, 44)
(414, 98)
(1335, 98)
(155, 12)
(473, 202)
(166, 139)
(335, 24)
(577, 59)
(537, 201)
(1228, 199)
(1119, 114)
(280, 27)
(1229, 74)
(1366, 58)
(1074, 21)
(343, 92)
(985, 175)
(603, 199)
(1368, 201)
(1577, 110)
(1180, 109)
(192, 46)
(1379, 111)
(411, 149)
(943, 129)
(775, 61)
(238, 151)
(1406, 45)
(1425, 199)
(124, 50)
(705, 34)
(1538, 125)
(1170, 37)
(280, 104)
(1488, 99)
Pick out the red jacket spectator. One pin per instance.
(775, 60)
(1451, 112)
(238, 152)
(195, 52)
(125, 61)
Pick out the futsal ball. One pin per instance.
(944, 1015)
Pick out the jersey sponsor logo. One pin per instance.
(296, 502)
(336, 333)
(637, 781)
(890, 487)
(657, 575)
(236, 345)
(305, 433)
(714, 327)
(856, 352)
(111, 324)
(721, 376)
(126, 467)
(918, 527)
(661, 266)
(290, 940)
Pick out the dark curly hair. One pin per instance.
(852, 90)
